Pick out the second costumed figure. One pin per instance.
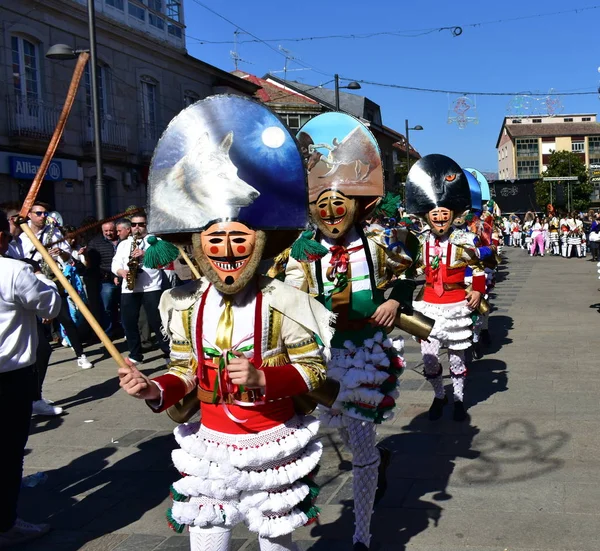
(438, 191)
(348, 267)
(228, 174)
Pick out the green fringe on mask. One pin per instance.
(160, 253)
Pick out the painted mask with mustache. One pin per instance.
(334, 213)
(440, 220)
(229, 254)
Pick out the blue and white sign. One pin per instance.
(25, 168)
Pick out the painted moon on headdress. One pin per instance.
(273, 137)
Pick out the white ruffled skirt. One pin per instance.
(368, 377)
(262, 479)
(452, 323)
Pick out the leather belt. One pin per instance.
(448, 286)
(248, 395)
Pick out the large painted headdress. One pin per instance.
(437, 181)
(342, 155)
(228, 160)
(475, 189)
(484, 185)
(345, 176)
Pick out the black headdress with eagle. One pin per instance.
(437, 181)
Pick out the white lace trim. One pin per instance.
(452, 323)
(252, 450)
(219, 477)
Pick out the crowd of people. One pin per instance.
(95, 261)
(294, 309)
(567, 234)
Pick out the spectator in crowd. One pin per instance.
(146, 292)
(102, 285)
(49, 234)
(123, 228)
(594, 237)
(124, 231)
(23, 296)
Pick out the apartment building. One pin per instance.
(145, 78)
(525, 144)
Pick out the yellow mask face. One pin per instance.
(334, 213)
(440, 220)
(228, 254)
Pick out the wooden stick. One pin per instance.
(189, 262)
(110, 347)
(58, 131)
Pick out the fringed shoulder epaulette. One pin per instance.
(160, 253)
(306, 249)
(277, 269)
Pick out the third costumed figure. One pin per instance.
(438, 191)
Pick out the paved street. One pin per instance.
(522, 475)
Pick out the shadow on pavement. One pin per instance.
(513, 452)
(499, 327)
(486, 377)
(90, 497)
(424, 459)
(42, 424)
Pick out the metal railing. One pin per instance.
(31, 118)
(114, 134)
(527, 152)
(148, 138)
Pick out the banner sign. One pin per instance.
(25, 168)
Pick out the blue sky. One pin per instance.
(536, 54)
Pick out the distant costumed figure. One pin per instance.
(480, 223)
(244, 348)
(347, 268)
(553, 231)
(575, 237)
(437, 189)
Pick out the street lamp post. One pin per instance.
(407, 129)
(63, 52)
(351, 86)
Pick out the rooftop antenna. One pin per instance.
(234, 53)
(289, 57)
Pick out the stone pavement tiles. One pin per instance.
(522, 474)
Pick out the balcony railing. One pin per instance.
(30, 118)
(527, 153)
(137, 14)
(113, 134)
(528, 173)
(148, 138)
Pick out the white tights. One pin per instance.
(360, 438)
(218, 538)
(433, 369)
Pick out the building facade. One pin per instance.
(525, 144)
(145, 77)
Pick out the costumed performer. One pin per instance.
(575, 236)
(437, 190)
(553, 231)
(348, 267)
(480, 223)
(227, 171)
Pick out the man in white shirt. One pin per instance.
(23, 298)
(46, 233)
(146, 291)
